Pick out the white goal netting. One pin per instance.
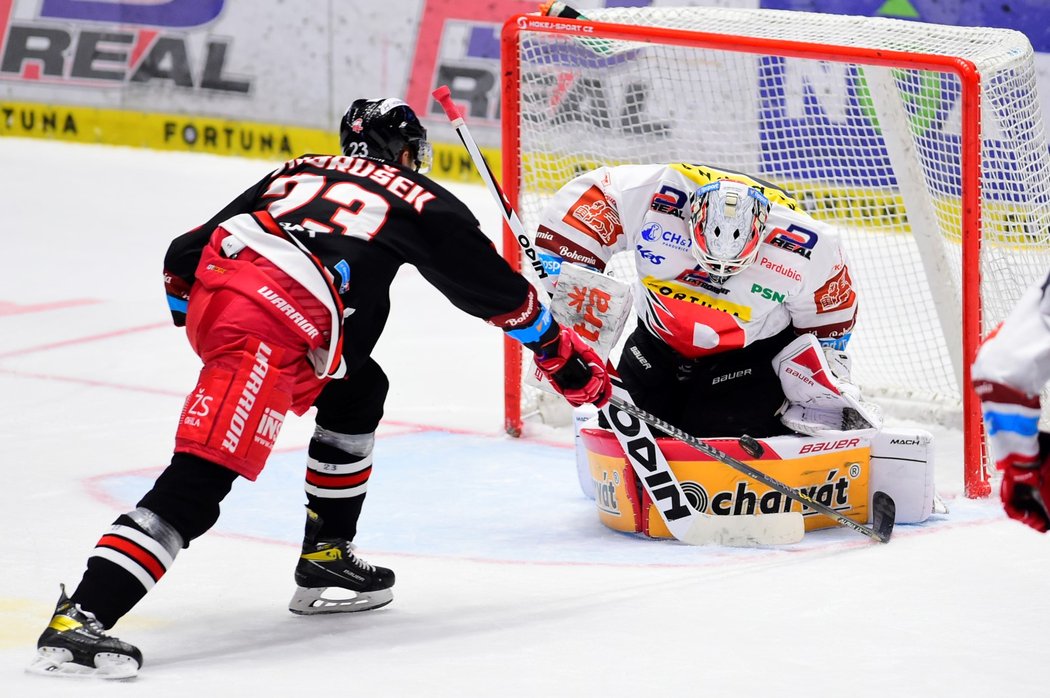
(855, 116)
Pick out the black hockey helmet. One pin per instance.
(381, 129)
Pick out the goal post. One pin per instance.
(923, 144)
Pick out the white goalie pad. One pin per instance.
(821, 400)
(596, 306)
(902, 466)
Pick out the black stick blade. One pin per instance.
(884, 511)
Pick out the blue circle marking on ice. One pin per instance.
(452, 495)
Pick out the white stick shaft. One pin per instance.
(443, 96)
(638, 442)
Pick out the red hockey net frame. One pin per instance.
(975, 476)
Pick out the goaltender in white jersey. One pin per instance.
(734, 284)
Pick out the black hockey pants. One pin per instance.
(721, 395)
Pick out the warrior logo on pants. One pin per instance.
(247, 400)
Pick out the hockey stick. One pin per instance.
(636, 439)
(883, 507)
(629, 423)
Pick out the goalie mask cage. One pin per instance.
(924, 144)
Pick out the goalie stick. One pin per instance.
(631, 425)
(883, 508)
(638, 441)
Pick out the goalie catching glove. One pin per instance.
(574, 369)
(820, 399)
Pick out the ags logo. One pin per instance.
(650, 255)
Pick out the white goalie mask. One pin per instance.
(727, 221)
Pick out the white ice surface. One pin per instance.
(507, 585)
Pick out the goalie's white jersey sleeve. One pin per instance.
(1010, 371)
(800, 279)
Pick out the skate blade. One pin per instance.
(308, 601)
(54, 661)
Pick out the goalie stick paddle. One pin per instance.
(638, 442)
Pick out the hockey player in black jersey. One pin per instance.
(284, 294)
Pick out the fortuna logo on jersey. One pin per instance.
(675, 292)
(247, 399)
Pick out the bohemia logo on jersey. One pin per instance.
(105, 43)
(592, 215)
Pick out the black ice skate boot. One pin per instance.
(74, 644)
(332, 579)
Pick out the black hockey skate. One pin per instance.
(331, 579)
(74, 644)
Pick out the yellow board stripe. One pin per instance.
(202, 134)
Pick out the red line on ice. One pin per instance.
(83, 340)
(16, 309)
